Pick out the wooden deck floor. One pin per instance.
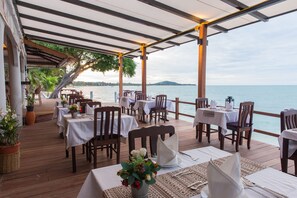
(45, 172)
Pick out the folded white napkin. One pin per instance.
(228, 105)
(149, 97)
(167, 151)
(225, 181)
(213, 104)
(89, 110)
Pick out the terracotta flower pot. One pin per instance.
(9, 158)
(30, 117)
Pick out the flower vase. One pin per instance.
(142, 192)
(74, 114)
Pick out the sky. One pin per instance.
(258, 54)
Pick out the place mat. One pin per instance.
(170, 187)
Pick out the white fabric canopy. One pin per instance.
(112, 27)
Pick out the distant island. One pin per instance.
(81, 83)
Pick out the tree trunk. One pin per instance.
(66, 80)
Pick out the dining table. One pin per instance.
(288, 145)
(104, 182)
(216, 116)
(144, 107)
(78, 131)
(125, 101)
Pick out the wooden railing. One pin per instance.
(178, 113)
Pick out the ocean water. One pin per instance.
(270, 98)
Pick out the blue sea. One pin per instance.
(270, 98)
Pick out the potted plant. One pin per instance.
(73, 109)
(30, 114)
(64, 102)
(139, 172)
(9, 141)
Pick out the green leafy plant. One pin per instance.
(73, 108)
(30, 99)
(8, 127)
(138, 170)
(64, 102)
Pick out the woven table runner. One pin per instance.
(168, 186)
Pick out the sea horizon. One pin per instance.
(267, 98)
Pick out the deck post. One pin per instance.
(143, 67)
(176, 108)
(2, 71)
(202, 42)
(15, 79)
(120, 57)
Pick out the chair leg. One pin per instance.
(197, 131)
(110, 148)
(237, 140)
(95, 156)
(156, 117)
(233, 137)
(221, 139)
(151, 117)
(118, 152)
(249, 137)
(208, 132)
(200, 132)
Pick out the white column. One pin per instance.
(23, 78)
(2, 71)
(15, 83)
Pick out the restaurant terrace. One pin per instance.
(50, 166)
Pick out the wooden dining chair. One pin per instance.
(73, 97)
(160, 109)
(138, 96)
(83, 107)
(242, 128)
(288, 121)
(151, 134)
(106, 135)
(82, 104)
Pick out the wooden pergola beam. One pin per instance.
(45, 49)
(143, 67)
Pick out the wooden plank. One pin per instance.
(45, 172)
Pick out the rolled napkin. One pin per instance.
(225, 181)
(213, 104)
(89, 110)
(167, 151)
(149, 97)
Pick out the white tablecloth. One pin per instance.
(290, 134)
(219, 117)
(81, 130)
(146, 105)
(126, 100)
(61, 112)
(96, 181)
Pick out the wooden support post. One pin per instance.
(202, 60)
(143, 67)
(120, 57)
(176, 108)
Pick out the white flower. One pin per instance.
(135, 153)
(142, 152)
(14, 116)
(148, 177)
(153, 175)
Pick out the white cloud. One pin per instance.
(262, 53)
